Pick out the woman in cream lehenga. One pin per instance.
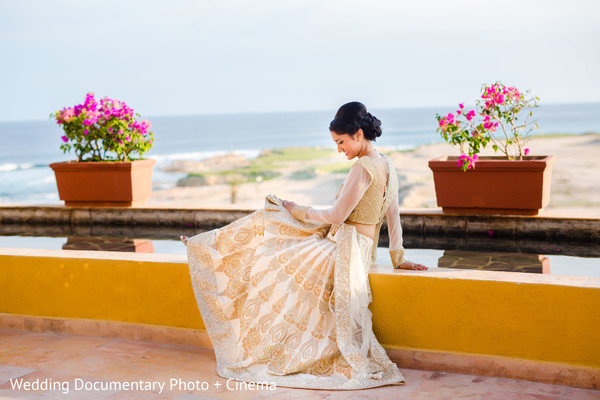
(284, 292)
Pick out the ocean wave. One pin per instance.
(27, 197)
(203, 155)
(8, 167)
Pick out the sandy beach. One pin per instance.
(575, 189)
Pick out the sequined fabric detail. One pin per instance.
(392, 188)
(373, 206)
(368, 209)
(397, 257)
(300, 212)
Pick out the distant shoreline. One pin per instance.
(315, 182)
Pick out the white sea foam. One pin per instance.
(7, 167)
(203, 155)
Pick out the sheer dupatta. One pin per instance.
(361, 175)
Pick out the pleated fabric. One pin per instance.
(286, 302)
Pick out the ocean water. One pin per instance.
(27, 148)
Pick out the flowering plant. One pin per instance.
(103, 131)
(499, 106)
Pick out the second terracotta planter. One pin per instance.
(123, 184)
(495, 186)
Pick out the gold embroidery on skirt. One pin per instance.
(271, 304)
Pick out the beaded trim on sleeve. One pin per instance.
(299, 212)
(397, 257)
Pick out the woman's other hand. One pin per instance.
(289, 205)
(411, 265)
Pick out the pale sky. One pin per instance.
(181, 57)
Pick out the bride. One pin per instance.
(284, 292)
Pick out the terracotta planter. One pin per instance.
(123, 183)
(495, 186)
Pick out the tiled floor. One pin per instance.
(78, 366)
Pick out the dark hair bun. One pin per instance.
(371, 126)
(354, 116)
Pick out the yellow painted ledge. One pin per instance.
(470, 315)
(140, 288)
(529, 316)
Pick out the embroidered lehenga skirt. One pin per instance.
(286, 302)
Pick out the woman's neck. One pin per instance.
(368, 149)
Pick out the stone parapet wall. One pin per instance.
(414, 222)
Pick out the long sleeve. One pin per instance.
(352, 191)
(395, 232)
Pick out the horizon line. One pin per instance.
(297, 111)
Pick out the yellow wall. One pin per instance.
(545, 322)
(118, 290)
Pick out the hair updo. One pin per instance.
(354, 116)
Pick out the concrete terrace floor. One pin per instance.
(63, 358)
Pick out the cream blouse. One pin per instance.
(355, 197)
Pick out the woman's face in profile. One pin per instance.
(348, 144)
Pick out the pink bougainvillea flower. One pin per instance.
(68, 114)
(90, 103)
(496, 109)
(467, 160)
(526, 151)
(78, 110)
(145, 125)
(111, 122)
